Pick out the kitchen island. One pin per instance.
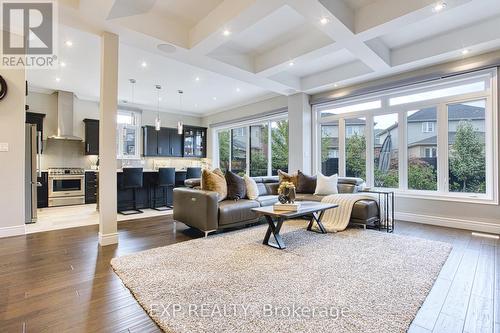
(145, 194)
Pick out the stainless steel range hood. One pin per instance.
(65, 105)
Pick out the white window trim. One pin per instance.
(440, 128)
(247, 124)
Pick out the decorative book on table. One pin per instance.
(289, 207)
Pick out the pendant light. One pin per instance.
(158, 120)
(180, 125)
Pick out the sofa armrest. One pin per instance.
(196, 208)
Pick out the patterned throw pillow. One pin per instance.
(285, 177)
(305, 183)
(214, 181)
(252, 189)
(236, 186)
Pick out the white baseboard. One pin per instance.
(17, 230)
(482, 226)
(108, 239)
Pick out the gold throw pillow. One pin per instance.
(214, 181)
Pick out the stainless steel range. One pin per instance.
(66, 186)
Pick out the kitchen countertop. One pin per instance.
(145, 170)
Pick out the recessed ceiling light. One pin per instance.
(291, 64)
(63, 64)
(238, 89)
(214, 98)
(324, 21)
(226, 32)
(336, 85)
(68, 43)
(58, 79)
(197, 79)
(144, 64)
(465, 51)
(439, 6)
(160, 99)
(196, 105)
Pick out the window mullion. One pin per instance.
(342, 154)
(269, 149)
(403, 150)
(442, 147)
(369, 142)
(247, 172)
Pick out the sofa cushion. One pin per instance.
(267, 200)
(305, 183)
(308, 197)
(231, 211)
(327, 184)
(214, 181)
(252, 189)
(285, 177)
(236, 187)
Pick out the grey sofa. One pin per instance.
(201, 210)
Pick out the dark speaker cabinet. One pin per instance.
(91, 136)
(90, 187)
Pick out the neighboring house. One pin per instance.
(422, 130)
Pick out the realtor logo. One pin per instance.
(29, 33)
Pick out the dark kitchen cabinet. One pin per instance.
(149, 141)
(36, 119)
(91, 136)
(195, 141)
(165, 143)
(90, 187)
(43, 191)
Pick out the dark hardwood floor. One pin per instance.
(61, 281)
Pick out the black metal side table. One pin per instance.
(386, 208)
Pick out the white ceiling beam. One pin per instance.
(289, 80)
(453, 41)
(328, 79)
(383, 17)
(233, 15)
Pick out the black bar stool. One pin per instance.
(193, 173)
(132, 180)
(166, 182)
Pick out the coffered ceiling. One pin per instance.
(287, 46)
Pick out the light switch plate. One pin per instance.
(4, 147)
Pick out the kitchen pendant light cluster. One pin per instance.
(180, 125)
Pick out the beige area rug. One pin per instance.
(352, 281)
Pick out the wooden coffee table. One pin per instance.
(314, 210)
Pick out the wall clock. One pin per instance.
(3, 88)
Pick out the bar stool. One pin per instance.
(166, 182)
(193, 173)
(132, 180)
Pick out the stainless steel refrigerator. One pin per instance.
(32, 170)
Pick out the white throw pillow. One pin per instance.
(326, 185)
(252, 189)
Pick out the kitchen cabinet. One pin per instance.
(90, 187)
(195, 141)
(164, 143)
(91, 136)
(43, 191)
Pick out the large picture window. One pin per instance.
(258, 149)
(434, 139)
(128, 129)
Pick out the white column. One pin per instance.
(12, 158)
(300, 133)
(108, 230)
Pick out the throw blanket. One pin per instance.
(337, 219)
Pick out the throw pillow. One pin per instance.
(305, 183)
(236, 186)
(326, 185)
(252, 189)
(214, 181)
(285, 177)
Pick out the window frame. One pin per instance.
(246, 124)
(490, 77)
(136, 126)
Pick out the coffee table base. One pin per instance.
(275, 227)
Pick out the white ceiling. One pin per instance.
(360, 40)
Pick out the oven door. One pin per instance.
(66, 186)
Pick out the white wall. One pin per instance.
(12, 132)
